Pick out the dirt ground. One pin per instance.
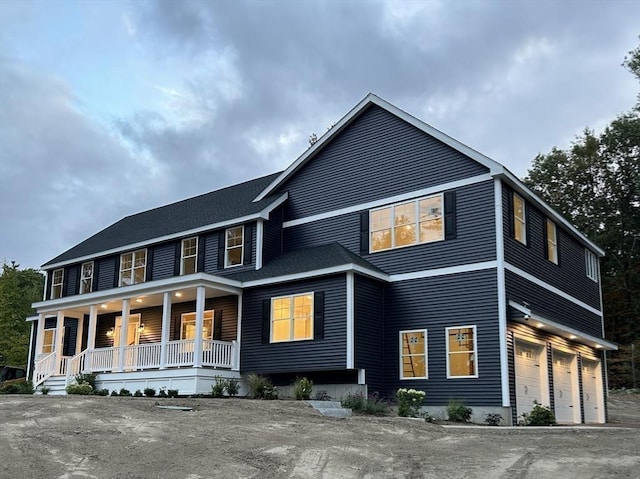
(105, 437)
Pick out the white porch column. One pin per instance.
(40, 335)
(91, 335)
(166, 318)
(79, 334)
(124, 328)
(197, 348)
(58, 340)
(236, 361)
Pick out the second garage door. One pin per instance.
(565, 386)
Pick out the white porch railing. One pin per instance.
(45, 367)
(219, 354)
(180, 353)
(142, 356)
(103, 360)
(76, 365)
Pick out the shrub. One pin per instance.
(409, 402)
(163, 392)
(373, 405)
(233, 387)
(44, 390)
(114, 393)
(124, 392)
(217, 390)
(458, 412)
(355, 402)
(102, 392)
(493, 419)
(302, 388)
(539, 416)
(149, 392)
(137, 394)
(86, 378)
(81, 388)
(172, 393)
(322, 396)
(261, 387)
(25, 387)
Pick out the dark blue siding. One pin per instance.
(272, 242)
(369, 330)
(435, 304)
(552, 306)
(72, 280)
(163, 261)
(106, 272)
(377, 156)
(314, 355)
(211, 262)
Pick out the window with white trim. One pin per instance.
(188, 325)
(292, 318)
(189, 256)
(133, 267)
(461, 352)
(591, 264)
(57, 279)
(552, 242)
(408, 223)
(519, 219)
(413, 354)
(48, 340)
(234, 246)
(86, 277)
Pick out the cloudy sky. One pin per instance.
(110, 108)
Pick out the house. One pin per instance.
(387, 255)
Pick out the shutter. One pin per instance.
(148, 274)
(318, 315)
(450, 215)
(512, 227)
(65, 282)
(49, 281)
(266, 321)
(177, 258)
(96, 273)
(116, 272)
(221, 249)
(217, 325)
(248, 231)
(364, 232)
(527, 222)
(202, 241)
(545, 238)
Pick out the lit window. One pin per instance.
(461, 352)
(591, 263)
(56, 283)
(189, 255)
(413, 354)
(552, 242)
(292, 318)
(133, 267)
(234, 246)
(86, 277)
(519, 219)
(188, 326)
(48, 341)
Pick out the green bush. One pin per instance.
(44, 390)
(83, 389)
(539, 416)
(149, 392)
(163, 392)
(458, 412)
(172, 393)
(233, 387)
(101, 392)
(124, 392)
(137, 394)
(372, 405)
(86, 378)
(261, 387)
(24, 387)
(409, 402)
(217, 390)
(302, 388)
(493, 419)
(114, 393)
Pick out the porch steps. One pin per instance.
(56, 385)
(330, 408)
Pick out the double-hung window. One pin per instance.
(188, 326)
(48, 341)
(591, 264)
(234, 246)
(86, 277)
(133, 267)
(461, 352)
(519, 219)
(413, 354)
(292, 318)
(57, 280)
(189, 255)
(552, 242)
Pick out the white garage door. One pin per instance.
(565, 385)
(528, 365)
(591, 396)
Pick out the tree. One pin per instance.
(18, 289)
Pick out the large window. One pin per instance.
(413, 354)
(461, 352)
(552, 242)
(234, 245)
(405, 224)
(188, 326)
(189, 255)
(519, 219)
(292, 318)
(133, 267)
(48, 341)
(591, 263)
(86, 277)
(56, 283)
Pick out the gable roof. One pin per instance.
(216, 209)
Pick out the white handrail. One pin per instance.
(44, 368)
(76, 365)
(219, 354)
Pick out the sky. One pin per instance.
(109, 108)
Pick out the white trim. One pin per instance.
(475, 350)
(502, 294)
(182, 257)
(401, 356)
(430, 273)
(30, 348)
(389, 200)
(292, 338)
(239, 332)
(554, 242)
(350, 321)
(517, 220)
(93, 322)
(46, 286)
(543, 375)
(226, 247)
(166, 326)
(197, 347)
(82, 277)
(54, 284)
(259, 242)
(591, 265)
(194, 320)
(318, 272)
(133, 267)
(362, 376)
(553, 289)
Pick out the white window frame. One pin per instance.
(552, 241)
(57, 284)
(52, 346)
(291, 318)
(227, 248)
(475, 350)
(195, 319)
(517, 219)
(402, 356)
(591, 265)
(84, 277)
(133, 267)
(416, 224)
(184, 257)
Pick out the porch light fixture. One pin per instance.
(141, 327)
(539, 325)
(103, 306)
(110, 333)
(178, 294)
(573, 336)
(139, 300)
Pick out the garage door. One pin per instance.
(565, 385)
(528, 357)
(591, 395)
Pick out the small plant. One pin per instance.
(163, 392)
(83, 389)
(270, 391)
(217, 390)
(233, 387)
(373, 405)
(102, 392)
(428, 417)
(409, 402)
(261, 387)
(44, 390)
(114, 393)
(149, 392)
(86, 378)
(137, 394)
(302, 388)
(458, 412)
(539, 416)
(322, 396)
(172, 393)
(124, 392)
(493, 419)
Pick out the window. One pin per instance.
(86, 277)
(189, 255)
(292, 318)
(461, 352)
(405, 224)
(591, 264)
(188, 326)
(519, 219)
(234, 246)
(133, 267)
(48, 341)
(413, 354)
(552, 242)
(56, 283)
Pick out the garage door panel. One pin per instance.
(591, 396)
(528, 376)
(565, 386)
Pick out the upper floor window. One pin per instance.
(461, 352)
(591, 263)
(292, 317)
(56, 283)
(408, 223)
(413, 354)
(189, 255)
(86, 277)
(552, 242)
(519, 219)
(133, 267)
(234, 246)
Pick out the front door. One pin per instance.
(132, 339)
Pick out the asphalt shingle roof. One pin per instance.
(214, 207)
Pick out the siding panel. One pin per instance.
(106, 271)
(163, 261)
(369, 330)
